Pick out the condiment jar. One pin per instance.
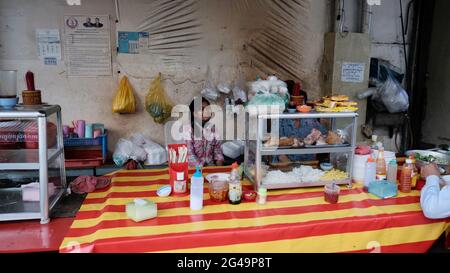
(262, 196)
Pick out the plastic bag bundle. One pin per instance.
(156, 102)
(126, 150)
(124, 101)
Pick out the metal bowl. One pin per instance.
(441, 157)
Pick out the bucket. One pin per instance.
(359, 168)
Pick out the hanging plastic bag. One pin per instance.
(239, 93)
(223, 86)
(156, 102)
(124, 101)
(209, 90)
(391, 94)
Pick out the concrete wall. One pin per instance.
(232, 35)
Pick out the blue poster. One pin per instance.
(133, 42)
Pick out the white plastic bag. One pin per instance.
(233, 149)
(239, 89)
(223, 86)
(126, 150)
(156, 154)
(209, 90)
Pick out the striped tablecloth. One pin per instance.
(296, 220)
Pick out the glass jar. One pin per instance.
(218, 191)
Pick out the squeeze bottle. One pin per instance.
(196, 198)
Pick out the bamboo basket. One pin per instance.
(31, 97)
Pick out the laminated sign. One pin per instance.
(353, 72)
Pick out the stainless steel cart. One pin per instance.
(31, 150)
(255, 151)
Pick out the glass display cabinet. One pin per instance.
(279, 155)
(32, 171)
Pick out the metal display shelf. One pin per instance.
(255, 151)
(44, 165)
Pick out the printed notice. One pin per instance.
(48, 43)
(353, 72)
(88, 45)
(133, 42)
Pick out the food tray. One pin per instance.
(276, 186)
(327, 146)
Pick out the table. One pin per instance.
(293, 221)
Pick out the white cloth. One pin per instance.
(434, 201)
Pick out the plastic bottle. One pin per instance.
(392, 171)
(196, 198)
(381, 165)
(406, 177)
(262, 196)
(370, 172)
(415, 173)
(235, 186)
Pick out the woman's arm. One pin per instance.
(435, 202)
(218, 152)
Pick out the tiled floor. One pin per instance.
(31, 236)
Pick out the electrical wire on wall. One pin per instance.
(116, 4)
(410, 94)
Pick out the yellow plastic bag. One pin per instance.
(156, 102)
(124, 102)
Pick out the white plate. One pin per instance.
(218, 176)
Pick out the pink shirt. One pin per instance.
(204, 151)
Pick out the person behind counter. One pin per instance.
(435, 196)
(299, 128)
(207, 150)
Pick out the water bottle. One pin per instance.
(392, 171)
(196, 198)
(370, 173)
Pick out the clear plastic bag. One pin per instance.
(156, 102)
(239, 93)
(126, 150)
(124, 101)
(391, 94)
(209, 90)
(223, 86)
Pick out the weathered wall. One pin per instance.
(436, 127)
(222, 34)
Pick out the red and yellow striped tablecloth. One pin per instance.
(297, 220)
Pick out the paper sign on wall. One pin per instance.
(353, 72)
(48, 44)
(133, 42)
(88, 45)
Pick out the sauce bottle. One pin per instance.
(235, 186)
(406, 177)
(415, 173)
(381, 165)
